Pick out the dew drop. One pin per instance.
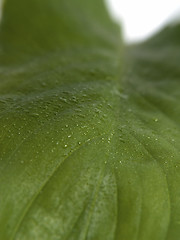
(35, 114)
(122, 140)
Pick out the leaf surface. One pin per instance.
(89, 128)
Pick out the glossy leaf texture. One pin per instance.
(89, 127)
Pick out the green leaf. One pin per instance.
(89, 128)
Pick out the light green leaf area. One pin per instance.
(89, 128)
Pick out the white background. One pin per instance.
(141, 18)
